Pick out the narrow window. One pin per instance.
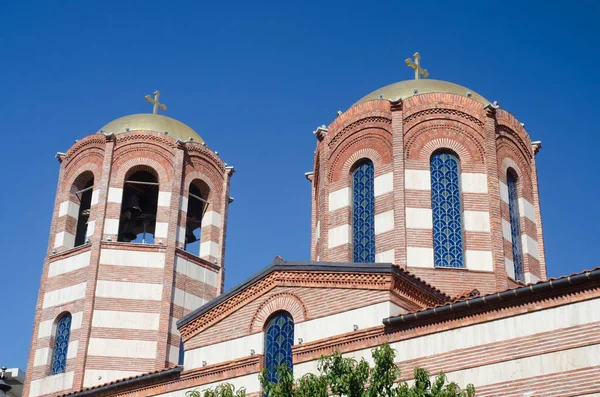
(61, 345)
(138, 211)
(363, 213)
(85, 202)
(181, 353)
(515, 225)
(279, 338)
(446, 209)
(197, 205)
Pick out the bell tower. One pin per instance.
(137, 241)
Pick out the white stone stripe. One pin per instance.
(183, 203)
(531, 278)
(530, 246)
(385, 257)
(339, 235)
(339, 199)
(95, 197)
(94, 377)
(384, 222)
(211, 218)
(111, 226)
(68, 208)
(419, 218)
(506, 230)
(479, 260)
(194, 271)
(122, 348)
(51, 384)
(526, 209)
(187, 300)
(64, 239)
(161, 230)
(419, 257)
(127, 290)
(132, 258)
(125, 320)
(477, 221)
(210, 248)
(164, 199)
(509, 266)
(42, 357)
(417, 179)
(69, 264)
(473, 183)
(115, 195)
(91, 228)
(173, 356)
(383, 184)
(64, 295)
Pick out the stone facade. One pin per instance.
(125, 298)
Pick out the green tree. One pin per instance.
(344, 376)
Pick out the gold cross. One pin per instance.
(416, 65)
(157, 105)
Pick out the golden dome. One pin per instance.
(152, 122)
(408, 88)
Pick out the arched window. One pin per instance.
(446, 209)
(85, 202)
(515, 225)
(138, 208)
(279, 338)
(363, 213)
(61, 344)
(197, 205)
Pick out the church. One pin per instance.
(426, 233)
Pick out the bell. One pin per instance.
(128, 232)
(133, 204)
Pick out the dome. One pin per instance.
(152, 122)
(406, 89)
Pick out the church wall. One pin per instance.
(123, 297)
(317, 302)
(403, 212)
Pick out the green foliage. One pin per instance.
(223, 390)
(344, 376)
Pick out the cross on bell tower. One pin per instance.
(416, 65)
(156, 103)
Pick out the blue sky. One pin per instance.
(254, 79)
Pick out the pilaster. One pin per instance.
(399, 183)
(538, 212)
(323, 194)
(98, 214)
(225, 199)
(491, 163)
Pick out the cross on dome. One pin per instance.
(416, 65)
(156, 103)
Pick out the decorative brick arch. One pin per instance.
(214, 194)
(445, 143)
(373, 144)
(74, 173)
(283, 301)
(423, 139)
(118, 180)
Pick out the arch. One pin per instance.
(363, 211)
(82, 190)
(214, 187)
(279, 339)
(126, 168)
(198, 193)
(139, 206)
(374, 144)
(427, 137)
(515, 223)
(62, 334)
(284, 301)
(446, 206)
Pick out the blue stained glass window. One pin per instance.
(279, 338)
(61, 345)
(515, 225)
(363, 217)
(446, 209)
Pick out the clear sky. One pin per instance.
(254, 79)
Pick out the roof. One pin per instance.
(409, 88)
(351, 267)
(125, 383)
(475, 302)
(152, 122)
